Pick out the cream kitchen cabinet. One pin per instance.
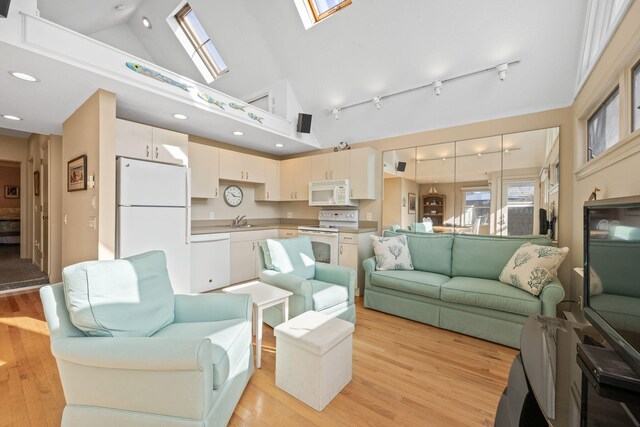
(203, 160)
(287, 233)
(270, 190)
(236, 166)
(353, 248)
(364, 178)
(145, 142)
(244, 259)
(295, 175)
(330, 166)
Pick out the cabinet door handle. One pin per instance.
(351, 193)
(296, 194)
(341, 247)
(216, 192)
(148, 151)
(156, 152)
(242, 175)
(331, 174)
(267, 195)
(292, 194)
(247, 174)
(326, 175)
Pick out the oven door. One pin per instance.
(324, 245)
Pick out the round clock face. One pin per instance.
(233, 195)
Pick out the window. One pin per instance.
(201, 42)
(520, 208)
(635, 100)
(324, 8)
(603, 126)
(477, 205)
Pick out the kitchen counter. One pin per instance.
(210, 227)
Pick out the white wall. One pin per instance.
(121, 37)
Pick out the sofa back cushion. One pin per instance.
(485, 256)
(294, 256)
(429, 251)
(130, 297)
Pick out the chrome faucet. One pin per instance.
(238, 219)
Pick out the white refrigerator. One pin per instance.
(154, 213)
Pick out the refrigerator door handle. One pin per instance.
(188, 205)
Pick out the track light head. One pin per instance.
(377, 101)
(502, 71)
(479, 155)
(437, 87)
(336, 113)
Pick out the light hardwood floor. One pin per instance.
(404, 373)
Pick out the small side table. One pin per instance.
(264, 296)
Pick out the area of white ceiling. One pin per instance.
(370, 48)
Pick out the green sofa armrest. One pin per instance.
(212, 307)
(552, 294)
(142, 354)
(291, 283)
(369, 265)
(337, 275)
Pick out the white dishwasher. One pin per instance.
(210, 261)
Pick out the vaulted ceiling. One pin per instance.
(371, 48)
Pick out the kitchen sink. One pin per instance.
(242, 226)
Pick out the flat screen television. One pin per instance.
(612, 273)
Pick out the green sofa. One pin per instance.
(455, 286)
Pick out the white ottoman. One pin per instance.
(313, 357)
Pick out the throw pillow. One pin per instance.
(392, 253)
(533, 266)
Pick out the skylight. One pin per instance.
(201, 42)
(324, 8)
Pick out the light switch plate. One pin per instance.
(289, 214)
(369, 216)
(212, 215)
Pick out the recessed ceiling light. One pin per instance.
(10, 117)
(146, 22)
(238, 133)
(23, 76)
(180, 116)
(280, 145)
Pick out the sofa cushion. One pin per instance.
(414, 282)
(431, 252)
(486, 256)
(490, 294)
(327, 295)
(130, 297)
(620, 311)
(533, 266)
(294, 256)
(229, 340)
(392, 252)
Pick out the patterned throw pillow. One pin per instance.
(392, 253)
(533, 266)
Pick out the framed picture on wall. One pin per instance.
(77, 174)
(36, 183)
(412, 203)
(11, 192)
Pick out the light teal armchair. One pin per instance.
(190, 371)
(289, 264)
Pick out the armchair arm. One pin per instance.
(291, 283)
(551, 295)
(338, 275)
(212, 307)
(143, 354)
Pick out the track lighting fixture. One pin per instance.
(479, 155)
(437, 87)
(507, 152)
(502, 71)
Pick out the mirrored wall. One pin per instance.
(503, 185)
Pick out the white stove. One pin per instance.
(324, 237)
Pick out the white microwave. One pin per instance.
(331, 193)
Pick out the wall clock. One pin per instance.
(233, 195)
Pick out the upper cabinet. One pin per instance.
(144, 142)
(330, 166)
(295, 175)
(236, 166)
(204, 171)
(270, 190)
(362, 173)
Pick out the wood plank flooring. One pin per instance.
(404, 373)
